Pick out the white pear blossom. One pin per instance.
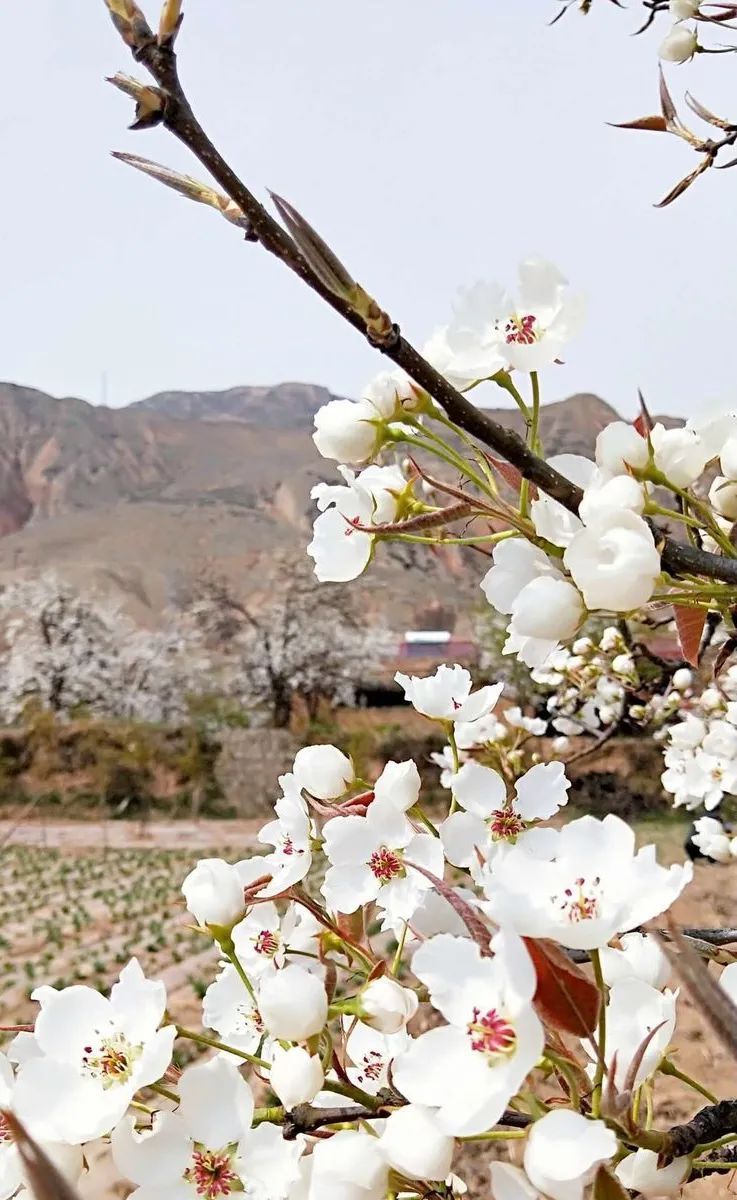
(490, 331)
(620, 446)
(552, 520)
(291, 836)
(296, 1075)
(636, 1012)
(398, 787)
(95, 1054)
(261, 939)
(514, 585)
(614, 562)
(415, 1144)
(489, 816)
(470, 1068)
(348, 1166)
(214, 893)
(638, 957)
(341, 551)
(447, 695)
(563, 1152)
(348, 431)
(684, 10)
(713, 840)
(679, 453)
(68, 1159)
(605, 496)
(371, 1054)
(293, 1004)
(207, 1148)
(639, 1172)
(680, 45)
(723, 497)
(548, 609)
(386, 1006)
(323, 771)
(583, 884)
(367, 862)
(230, 1010)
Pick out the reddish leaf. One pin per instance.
(475, 926)
(644, 422)
(726, 650)
(565, 998)
(656, 124)
(690, 625)
(510, 475)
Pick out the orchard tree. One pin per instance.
(409, 981)
(67, 651)
(310, 643)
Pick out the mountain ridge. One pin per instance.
(143, 498)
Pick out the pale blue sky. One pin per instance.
(432, 142)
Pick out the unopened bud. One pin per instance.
(130, 23)
(680, 45)
(169, 22)
(149, 100)
(201, 193)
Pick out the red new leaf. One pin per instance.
(566, 998)
(690, 625)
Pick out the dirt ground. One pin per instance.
(710, 901)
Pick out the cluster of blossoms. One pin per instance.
(387, 986)
(551, 568)
(597, 683)
(701, 751)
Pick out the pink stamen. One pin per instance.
(491, 1034)
(521, 331)
(386, 864)
(212, 1174)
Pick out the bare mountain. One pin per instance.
(141, 499)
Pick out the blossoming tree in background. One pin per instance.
(307, 644)
(67, 652)
(396, 981)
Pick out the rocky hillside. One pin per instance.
(141, 499)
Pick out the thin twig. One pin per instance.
(179, 119)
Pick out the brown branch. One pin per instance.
(178, 117)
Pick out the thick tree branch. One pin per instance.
(177, 116)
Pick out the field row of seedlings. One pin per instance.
(78, 918)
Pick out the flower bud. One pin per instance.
(415, 1145)
(293, 1004)
(640, 1173)
(387, 1006)
(723, 497)
(684, 10)
(324, 771)
(582, 646)
(623, 664)
(682, 679)
(681, 454)
(344, 431)
(679, 45)
(295, 1076)
(620, 446)
(563, 1151)
(547, 608)
(214, 893)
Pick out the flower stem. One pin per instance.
(601, 1040)
(397, 962)
(202, 1040)
(669, 1068)
(162, 1091)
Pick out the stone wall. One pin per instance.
(248, 767)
